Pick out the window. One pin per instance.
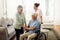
(49, 14)
(12, 7)
(47, 7)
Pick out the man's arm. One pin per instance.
(36, 26)
(32, 28)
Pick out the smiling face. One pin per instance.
(20, 10)
(34, 16)
(35, 7)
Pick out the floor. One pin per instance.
(51, 35)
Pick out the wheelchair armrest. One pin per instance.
(38, 31)
(48, 28)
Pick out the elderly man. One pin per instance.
(33, 27)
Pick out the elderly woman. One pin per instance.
(19, 21)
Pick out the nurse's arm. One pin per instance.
(41, 19)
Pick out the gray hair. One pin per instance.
(19, 7)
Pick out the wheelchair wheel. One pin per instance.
(42, 36)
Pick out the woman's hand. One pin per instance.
(25, 28)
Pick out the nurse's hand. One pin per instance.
(41, 22)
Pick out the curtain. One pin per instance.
(47, 7)
(12, 7)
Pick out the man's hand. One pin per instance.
(26, 28)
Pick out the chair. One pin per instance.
(38, 32)
(40, 35)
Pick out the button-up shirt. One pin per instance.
(19, 20)
(35, 24)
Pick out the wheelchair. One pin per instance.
(40, 35)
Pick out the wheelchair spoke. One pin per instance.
(42, 36)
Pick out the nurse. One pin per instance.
(38, 12)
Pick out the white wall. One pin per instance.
(12, 7)
(1, 8)
(57, 12)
